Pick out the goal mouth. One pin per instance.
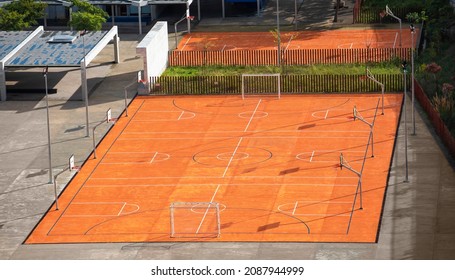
(195, 220)
(254, 85)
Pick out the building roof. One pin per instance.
(10, 40)
(40, 52)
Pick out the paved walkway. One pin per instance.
(418, 219)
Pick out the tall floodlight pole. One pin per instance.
(278, 31)
(51, 176)
(412, 81)
(405, 124)
(389, 12)
(84, 74)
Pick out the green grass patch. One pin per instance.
(345, 69)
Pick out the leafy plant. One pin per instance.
(21, 14)
(88, 16)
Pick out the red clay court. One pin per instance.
(329, 39)
(271, 165)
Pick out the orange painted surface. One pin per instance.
(328, 39)
(272, 165)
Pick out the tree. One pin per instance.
(88, 16)
(21, 14)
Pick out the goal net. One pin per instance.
(261, 84)
(195, 219)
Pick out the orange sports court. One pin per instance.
(223, 168)
(294, 40)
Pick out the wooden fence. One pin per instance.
(291, 84)
(288, 57)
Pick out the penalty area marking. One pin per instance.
(100, 209)
(324, 114)
(206, 210)
(331, 156)
(159, 116)
(292, 208)
(157, 157)
(254, 115)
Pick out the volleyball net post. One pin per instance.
(358, 116)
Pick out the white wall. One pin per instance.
(154, 50)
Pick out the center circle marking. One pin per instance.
(229, 155)
(255, 115)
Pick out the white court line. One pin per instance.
(248, 137)
(311, 158)
(206, 211)
(351, 45)
(105, 203)
(186, 43)
(232, 157)
(208, 184)
(229, 163)
(326, 114)
(252, 115)
(223, 48)
(252, 131)
(154, 156)
(208, 177)
(121, 209)
(183, 112)
(295, 208)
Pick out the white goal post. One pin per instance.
(195, 219)
(261, 84)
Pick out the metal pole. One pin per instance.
(405, 126)
(126, 102)
(175, 34)
(278, 31)
(51, 177)
(412, 82)
(84, 90)
(55, 192)
(94, 143)
(140, 17)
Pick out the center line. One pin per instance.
(208, 208)
(183, 112)
(257, 106)
(229, 164)
(295, 208)
(232, 157)
(154, 156)
(312, 154)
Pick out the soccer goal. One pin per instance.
(261, 84)
(195, 219)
